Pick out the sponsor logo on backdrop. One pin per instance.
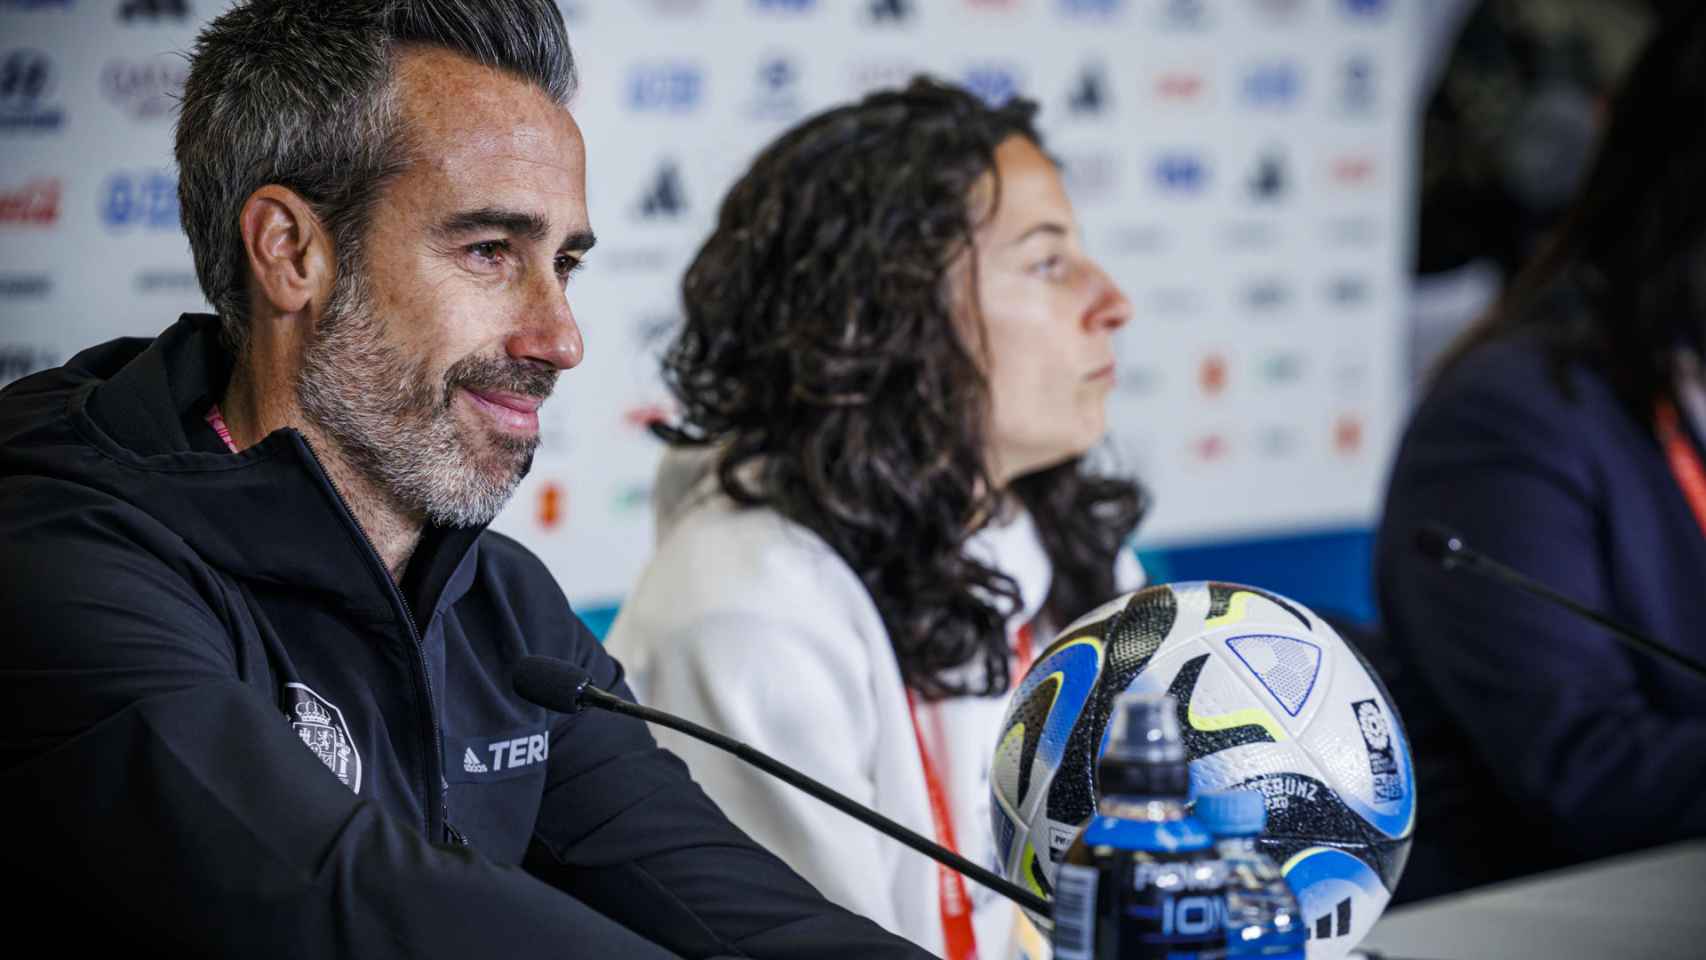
(22, 359)
(147, 89)
(1210, 448)
(785, 6)
(25, 286)
(778, 90)
(1180, 86)
(34, 4)
(143, 199)
(1358, 232)
(1180, 172)
(1279, 9)
(1277, 84)
(1358, 91)
(867, 75)
(1212, 374)
(1282, 368)
(1246, 235)
(1268, 181)
(1089, 94)
(166, 281)
(888, 11)
(1365, 9)
(34, 203)
(1278, 442)
(633, 497)
(550, 506)
(646, 259)
(144, 11)
(1175, 301)
(1347, 435)
(1138, 380)
(1267, 296)
(1352, 170)
(1101, 9)
(1181, 14)
(993, 6)
(994, 83)
(1090, 174)
(663, 198)
(665, 87)
(1145, 238)
(26, 92)
(676, 8)
(1347, 291)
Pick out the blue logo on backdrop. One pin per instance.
(994, 83)
(785, 6)
(1357, 85)
(1090, 8)
(1273, 84)
(666, 87)
(1179, 172)
(144, 199)
(1183, 13)
(778, 89)
(34, 4)
(890, 11)
(1366, 8)
(133, 10)
(26, 81)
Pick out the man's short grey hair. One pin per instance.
(300, 93)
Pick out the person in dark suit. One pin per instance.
(1562, 435)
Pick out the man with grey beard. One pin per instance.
(259, 644)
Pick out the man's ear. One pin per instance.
(288, 250)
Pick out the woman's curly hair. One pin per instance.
(820, 352)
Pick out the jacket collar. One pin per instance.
(269, 513)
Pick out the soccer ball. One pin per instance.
(1269, 698)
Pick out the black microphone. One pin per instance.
(561, 686)
(1446, 548)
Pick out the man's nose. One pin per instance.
(550, 334)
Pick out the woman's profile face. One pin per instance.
(1049, 313)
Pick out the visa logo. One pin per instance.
(675, 88)
(1181, 172)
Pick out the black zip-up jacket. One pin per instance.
(228, 728)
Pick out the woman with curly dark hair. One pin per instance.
(896, 354)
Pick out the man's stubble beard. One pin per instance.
(392, 421)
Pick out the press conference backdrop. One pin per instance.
(1242, 167)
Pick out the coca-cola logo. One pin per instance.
(35, 203)
(147, 89)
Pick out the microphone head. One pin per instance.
(551, 683)
(1439, 544)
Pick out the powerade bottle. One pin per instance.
(1262, 919)
(1141, 880)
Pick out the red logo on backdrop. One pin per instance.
(1212, 376)
(35, 204)
(1209, 447)
(1354, 170)
(645, 415)
(553, 504)
(1179, 85)
(1347, 435)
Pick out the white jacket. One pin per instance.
(750, 624)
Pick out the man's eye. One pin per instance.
(566, 264)
(492, 250)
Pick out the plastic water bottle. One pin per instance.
(1142, 879)
(1262, 918)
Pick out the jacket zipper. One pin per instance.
(423, 676)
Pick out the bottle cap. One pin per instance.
(1232, 813)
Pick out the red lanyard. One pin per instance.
(1684, 460)
(957, 933)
